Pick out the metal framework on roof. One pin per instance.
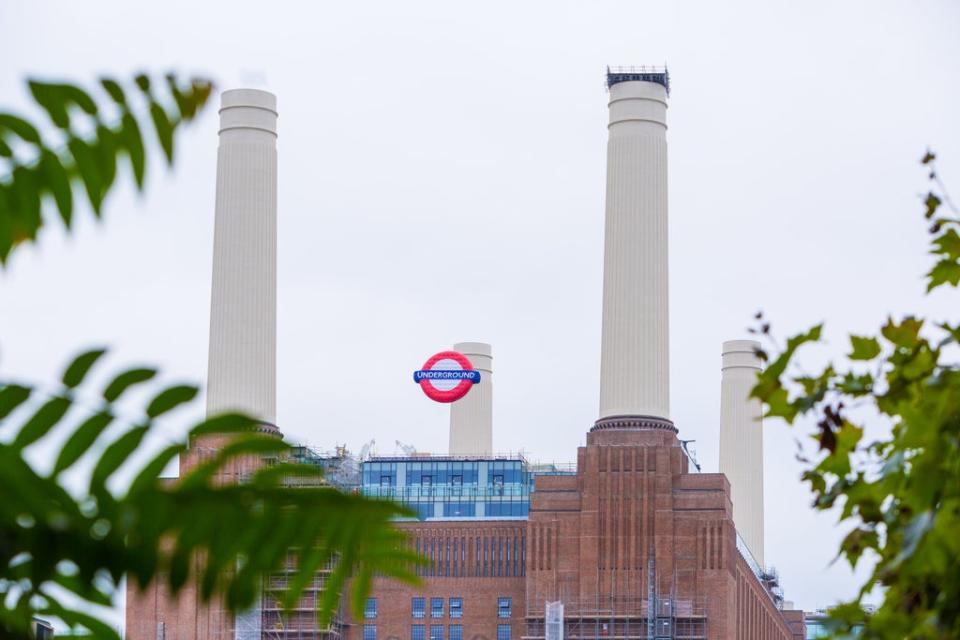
(643, 73)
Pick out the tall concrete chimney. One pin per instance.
(471, 417)
(635, 368)
(242, 370)
(741, 440)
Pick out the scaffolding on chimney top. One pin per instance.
(642, 73)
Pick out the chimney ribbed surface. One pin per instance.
(471, 417)
(741, 440)
(635, 368)
(242, 369)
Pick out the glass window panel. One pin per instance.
(419, 607)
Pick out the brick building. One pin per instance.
(629, 544)
(630, 533)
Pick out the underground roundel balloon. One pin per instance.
(447, 376)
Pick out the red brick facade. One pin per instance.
(632, 531)
(475, 561)
(633, 520)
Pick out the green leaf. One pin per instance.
(171, 398)
(932, 202)
(913, 536)
(242, 445)
(81, 365)
(92, 158)
(57, 182)
(106, 151)
(41, 422)
(23, 129)
(81, 440)
(126, 380)
(75, 95)
(84, 589)
(114, 457)
(275, 474)
(115, 91)
(151, 472)
(946, 271)
(52, 101)
(864, 348)
(948, 244)
(7, 226)
(87, 164)
(164, 129)
(11, 397)
(143, 82)
(27, 204)
(97, 628)
(906, 334)
(184, 104)
(225, 423)
(856, 542)
(132, 142)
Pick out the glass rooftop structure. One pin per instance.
(455, 488)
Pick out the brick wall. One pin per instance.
(473, 560)
(633, 531)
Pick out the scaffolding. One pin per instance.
(643, 73)
(621, 618)
(673, 612)
(300, 622)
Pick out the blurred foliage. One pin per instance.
(83, 145)
(899, 495)
(64, 548)
(212, 527)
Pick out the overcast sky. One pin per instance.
(441, 172)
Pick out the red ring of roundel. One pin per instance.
(454, 394)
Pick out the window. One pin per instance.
(424, 509)
(416, 632)
(504, 607)
(419, 606)
(459, 509)
(436, 610)
(503, 632)
(663, 627)
(456, 609)
(369, 632)
(456, 632)
(436, 632)
(370, 608)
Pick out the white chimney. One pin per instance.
(635, 368)
(241, 374)
(741, 440)
(471, 417)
